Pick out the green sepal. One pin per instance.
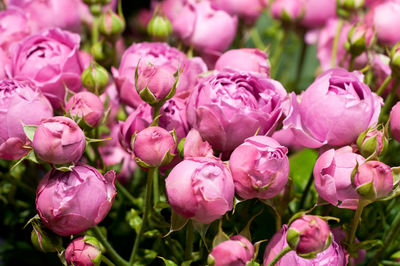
(292, 238)
(29, 131)
(367, 191)
(147, 96)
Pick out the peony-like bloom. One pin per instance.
(332, 177)
(205, 28)
(244, 59)
(21, 102)
(50, 59)
(317, 12)
(86, 106)
(334, 110)
(229, 106)
(333, 255)
(82, 251)
(248, 10)
(71, 202)
(260, 168)
(237, 251)
(158, 54)
(14, 27)
(50, 13)
(200, 188)
(385, 18)
(395, 121)
(290, 10)
(195, 146)
(59, 140)
(173, 117)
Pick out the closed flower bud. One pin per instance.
(71, 202)
(309, 235)
(236, 251)
(43, 239)
(373, 180)
(83, 251)
(159, 27)
(95, 78)
(154, 147)
(359, 39)
(86, 106)
(373, 140)
(59, 140)
(111, 24)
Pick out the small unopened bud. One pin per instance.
(308, 236)
(395, 60)
(101, 51)
(91, 2)
(43, 239)
(111, 24)
(346, 8)
(359, 39)
(95, 78)
(84, 251)
(373, 180)
(96, 9)
(159, 27)
(373, 140)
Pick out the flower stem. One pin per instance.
(300, 63)
(156, 192)
(388, 102)
(95, 30)
(282, 253)
(189, 240)
(126, 193)
(107, 261)
(355, 222)
(146, 210)
(351, 64)
(336, 43)
(110, 250)
(305, 192)
(277, 55)
(384, 84)
(255, 37)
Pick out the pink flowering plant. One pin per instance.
(200, 132)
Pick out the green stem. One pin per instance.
(388, 102)
(95, 30)
(277, 54)
(189, 240)
(126, 193)
(282, 253)
(255, 37)
(355, 222)
(305, 192)
(110, 250)
(156, 192)
(146, 210)
(336, 42)
(300, 63)
(351, 64)
(384, 84)
(107, 261)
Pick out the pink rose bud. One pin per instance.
(317, 12)
(248, 10)
(333, 255)
(111, 24)
(309, 235)
(51, 60)
(235, 251)
(154, 83)
(332, 177)
(229, 100)
(260, 168)
(71, 202)
(154, 147)
(195, 146)
(22, 103)
(59, 140)
(244, 59)
(360, 38)
(200, 188)
(83, 251)
(395, 121)
(287, 10)
(86, 106)
(373, 180)
(373, 140)
(385, 18)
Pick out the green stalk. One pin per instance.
(156, 192)
(277, 55)
(126, 193)
(336, 43)
(189, 240)
(355, 222)
(300, 63)
(351, 64)
(305, 192)
(95, 30)
(255, 37)
(282, 253)
(146, 210)
(384, 84)
(107, 261)
(110, 250)
(388, 102)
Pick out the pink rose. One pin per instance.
(14, 27)
(173, 117)
(248, 10)
(195, 146)
(65, 202)
(236, 251)
(385, 18)
(87, 106)
(395, 121)
(287, 9)
(317, 12)
(81, 252)
(50, 59)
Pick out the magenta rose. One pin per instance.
(195, 146)
(260, 168)
(290, 10)
(158, 54)
(21, 102)
(173, 117)
(200, 188)
(317, 12)
(65, 200)
(14, 26)
(332, 177)
(385, 18)
(229, 106)
(334, 110)
(237, 251)
(248, 10)
(50, 59)
(395, 121)
(82, 251)
(87, 106)
(244, 59)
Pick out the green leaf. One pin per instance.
(177, 222)
(301, 165)
(168, 262)
(65, 167)
(220, 236)
(29, 131)
(134, 220)
(246, 230)
(89, 140)
(202, 230)
(369, 244)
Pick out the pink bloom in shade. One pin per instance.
(333, 255)
(287, 9)
(395, 121)
(339, 235)
(153, 145)
(236, 251)
(317, 12)
(381, 70)
(229, 106)
(248, 10)
(51, 13)
(385, 18)
(245, 59)
(260, 168)
(50, 59)
(332, 177)
(200, 188)
(173, 117)
(82, 253)
(334, 110)
(87, 106)
(14, 27)
(158, 54)
(195, 146)
(59, 140)
(172, 8)
(65, 200)
(21, 102)
(205, 28)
